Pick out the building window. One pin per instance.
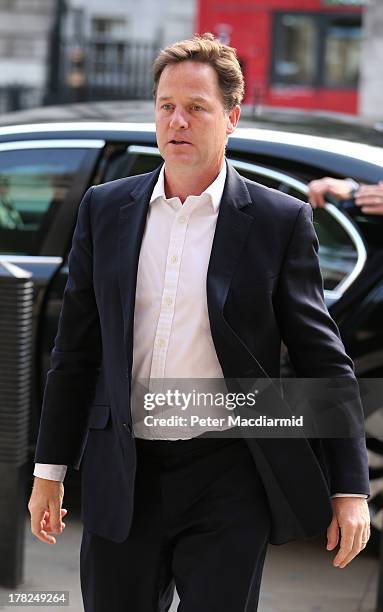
(296, 50)
(24, 47)
(342, 53)
(42, 7)
(109, 28)
(316, 49)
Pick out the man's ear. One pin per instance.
(232, 119)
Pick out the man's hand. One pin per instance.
(336, 187)
(352, 517)
(45, 509)
(370, 198)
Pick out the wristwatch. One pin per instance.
(354, 186)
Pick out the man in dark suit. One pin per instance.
(191, 272)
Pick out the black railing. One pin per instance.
(104, 70)
(18, 97)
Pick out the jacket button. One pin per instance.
(128, 427)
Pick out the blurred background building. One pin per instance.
(371, 82)
(295, 53)
(310, 54)
(25, 26)
(107, 48)
(55, 51)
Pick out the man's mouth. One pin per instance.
(178, 142)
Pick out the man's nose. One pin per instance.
(178, 120)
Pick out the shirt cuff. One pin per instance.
(50, 471)
(350, 495)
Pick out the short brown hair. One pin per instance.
(209, 50)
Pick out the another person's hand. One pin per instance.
(370, 199)
(337, 187)
(45, 509)
(351, 515)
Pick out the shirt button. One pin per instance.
(182, 219)
(174, 259)
(168, 301)
(161, 342)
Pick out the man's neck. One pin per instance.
(182, 185)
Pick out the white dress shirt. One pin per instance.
(171, 334)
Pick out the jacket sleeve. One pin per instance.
(76, 356)
(316, 350)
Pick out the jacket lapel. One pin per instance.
(132, 220)
(233, 225)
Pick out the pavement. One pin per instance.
(297, 577)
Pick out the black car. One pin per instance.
(45, 168)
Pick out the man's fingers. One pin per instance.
(353, 540)
(371, 202)
(374, 190)
(332, 534)
(44, 536)
(346, 544)
(369, 199)
(316, 199)
(48, 525)
(320, 199)
(317, 189)
(42, 528)
(55, 517)
(366, 535)
(45, 509)
(354, 520)
(38, 520)
(355, 550)
(373, 210)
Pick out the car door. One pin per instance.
(41, 185)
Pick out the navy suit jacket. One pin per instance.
(263, 286)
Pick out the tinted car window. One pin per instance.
(33, 185)
(337, 251)
(131, 162)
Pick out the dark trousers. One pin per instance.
(201, 524)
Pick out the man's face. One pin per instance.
(191, 124)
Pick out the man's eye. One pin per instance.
(196, 107)
(166, 106)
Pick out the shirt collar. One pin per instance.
(214, 190)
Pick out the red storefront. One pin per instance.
(295, 53)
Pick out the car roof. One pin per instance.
(325, 124)
(294, 142)
(243, 137)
